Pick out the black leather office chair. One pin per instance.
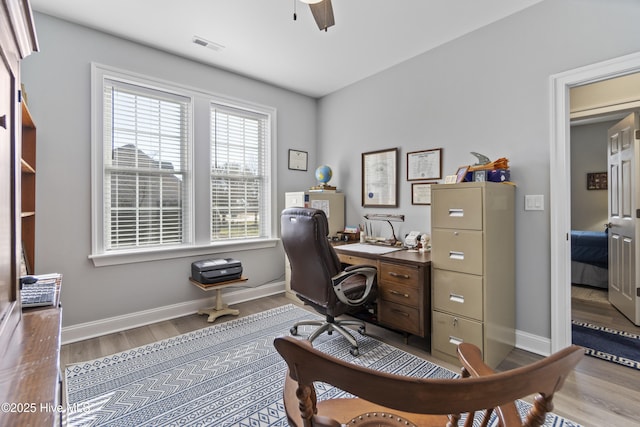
(317, 276)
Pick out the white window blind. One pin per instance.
(240, 192)
(146, 166)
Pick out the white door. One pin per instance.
(623, 191)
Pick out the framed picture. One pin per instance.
(597, 181)
(379, 178)
(424, 165)
(480, 176)
(462, 172)
(421, 193)
(25, 269)
(298, 160)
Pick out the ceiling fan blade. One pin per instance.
(323, 14)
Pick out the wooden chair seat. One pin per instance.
(393, 400)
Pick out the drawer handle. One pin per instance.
(456, 255)
(456, 298)
(455, 341)
(401, 312)
(394, 292)
(456, 212)
(402, 276)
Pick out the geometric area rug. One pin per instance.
(227, 374)
(608, 344)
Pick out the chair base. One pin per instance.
(329, 326)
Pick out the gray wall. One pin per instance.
(57, 80)
(588, 154)
(486, 92)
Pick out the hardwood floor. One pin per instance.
(597, 394)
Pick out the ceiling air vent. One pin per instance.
(207, 43)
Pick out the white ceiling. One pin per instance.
(261, 40)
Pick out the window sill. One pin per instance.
(156, 254)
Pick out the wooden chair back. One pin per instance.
(392, 400)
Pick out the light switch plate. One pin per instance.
(534, 202)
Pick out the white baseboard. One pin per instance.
(524, 340)
(111, 325)
(533, 343)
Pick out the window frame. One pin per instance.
(200, 211)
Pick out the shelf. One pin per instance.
(27, 120)
(26, 167)
(28, 186)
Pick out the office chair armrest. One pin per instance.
(368, 271)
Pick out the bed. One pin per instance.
(590, 258)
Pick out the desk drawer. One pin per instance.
(400, 317)
(400, 294)
(449, 331)
(404, 275)
(355, 260)
(457, 250)
(457, 293)
(457, 208)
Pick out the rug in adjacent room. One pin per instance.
(608, 344)
(227, 374)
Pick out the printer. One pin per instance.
(216, 270)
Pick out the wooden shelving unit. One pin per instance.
(28, 188)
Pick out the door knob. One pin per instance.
(608, 225)
(3, 121)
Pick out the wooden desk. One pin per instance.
(30, 381)
(220, 309)
(404, 287)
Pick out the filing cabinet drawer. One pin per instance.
(457, 208)
(405, 275)
(400, 317)
(457, 250)
(407, 295)
(457, 293)
(450, 331)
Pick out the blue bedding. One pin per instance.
(590, 247)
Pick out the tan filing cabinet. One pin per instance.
(473, 284)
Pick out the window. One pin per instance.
(153, 145)
(146, 167)
(238, 181)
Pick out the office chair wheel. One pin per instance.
(354, 351)
(294, 330)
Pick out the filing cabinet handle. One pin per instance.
(456, 255)
(453, 212)
(394, 292)
(455, 341)
(456, 298)
(394, 274)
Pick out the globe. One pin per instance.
(323, 174)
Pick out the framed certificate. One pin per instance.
(298, 160)
(424, 165)
(379, 178)
(421, 193)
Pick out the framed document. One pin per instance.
(421, 193)
(424, 165)
(298, 160)
(379, 178)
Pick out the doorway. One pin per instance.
(560, 200)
